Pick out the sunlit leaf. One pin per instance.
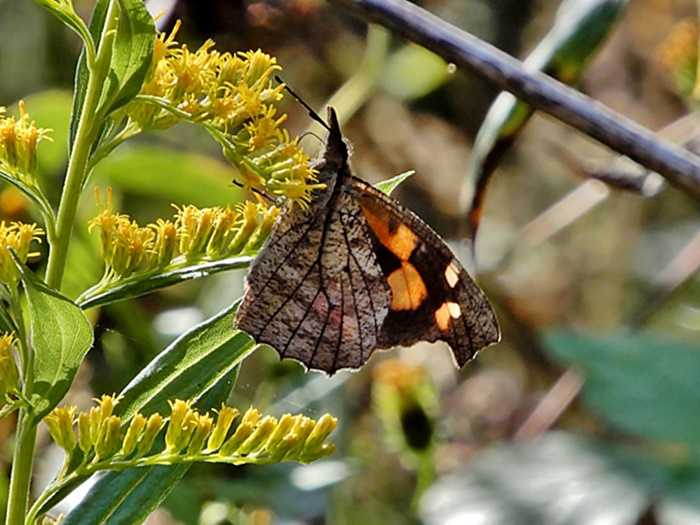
(200, 366)
(141, 285)
(131, 58)
(389, 185)
(61, 335)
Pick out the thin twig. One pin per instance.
(589, 116)
(552, 405)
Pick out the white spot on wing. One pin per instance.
(452, 274)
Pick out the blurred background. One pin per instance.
(588, 411)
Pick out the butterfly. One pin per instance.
(356, 272)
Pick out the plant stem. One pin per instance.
(23, 455)
(80, 154)
(22, 460)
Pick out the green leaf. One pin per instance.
(179, 177)
(189, 367)
(34, 194)
(401, 78)
(141, 285)
(389, 185)
(201, 366)
(639, 383)
(61, 335)
(132, 54)
(69, 18)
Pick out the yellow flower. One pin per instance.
(189, 436)
(19, 138)
(194, 235)
(60, 424)
(234, 96)
(18, 237)
(9, 377)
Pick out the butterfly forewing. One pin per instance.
(433, 297)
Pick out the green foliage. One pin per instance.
(132, 55)
(145, 453)
(389, 185)
(60, 335)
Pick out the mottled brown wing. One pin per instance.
(432, 295)
(316, 292)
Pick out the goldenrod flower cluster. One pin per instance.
(9, 378)
(194, 235)
(233, 96)
(19, 138)
(17, 237)
(101, 440)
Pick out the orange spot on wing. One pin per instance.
(442, 317)
(407, 288)
(401, 242)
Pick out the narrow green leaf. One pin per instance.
(389, 185)
(142, 285)
(34, 194)
(189, 367)
(640, 383)
(69, 18)
(201, 365)
(61, 335)
(133, 50)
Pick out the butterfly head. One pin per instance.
(336, 151)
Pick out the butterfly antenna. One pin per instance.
(315, 116)
(256, 191)
(310, 134)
